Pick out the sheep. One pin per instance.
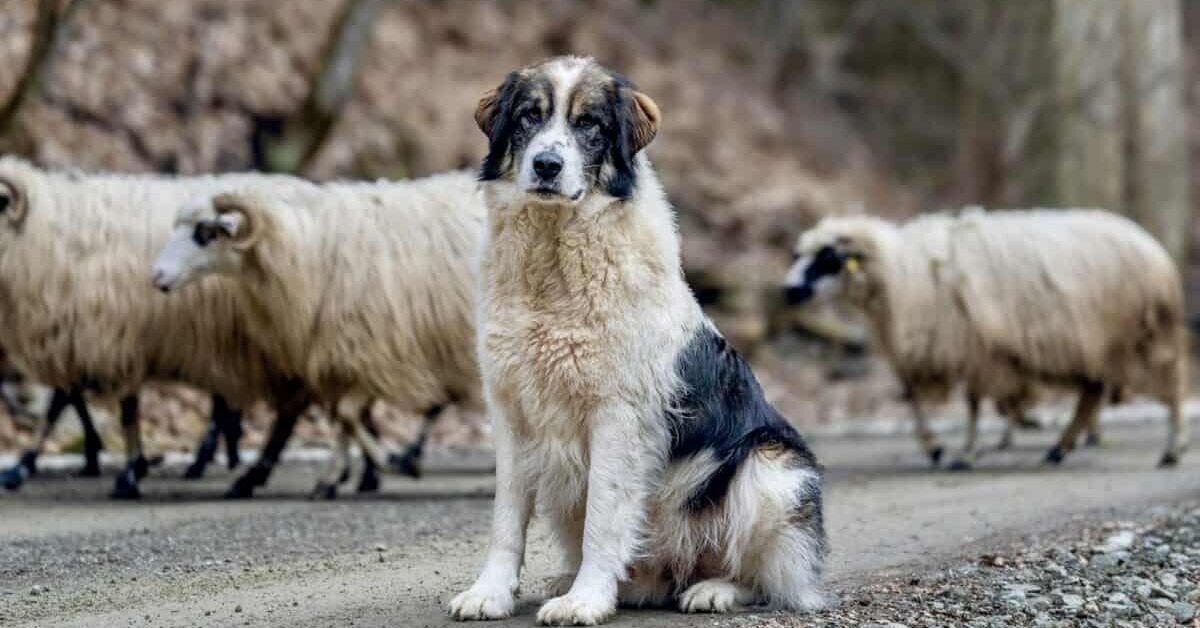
(1083, 298)
(362, 289)
(77, 311)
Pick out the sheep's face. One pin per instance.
(563, 129)
(827, 263)
(203, 242)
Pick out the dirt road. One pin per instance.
(184, 557)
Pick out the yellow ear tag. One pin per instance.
(852, 265)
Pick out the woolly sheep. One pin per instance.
(1074, 297)
(361, 289)
(77, 310)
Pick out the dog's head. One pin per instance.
(566, 128)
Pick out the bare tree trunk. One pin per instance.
(288, 144)
(1156, 153)
(1087, 52)
(49, 31)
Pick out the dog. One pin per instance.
(644, 436)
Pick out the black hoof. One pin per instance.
(29, 461)
(369, 483)
(89, 470)
(959, 465)
(195, 471)
(324, 490)
(405, 465)
(141, 466)
(126, 486)
(1055, 456)
(14, 477)
(244, 486)
(935, 456)
(1169, 459)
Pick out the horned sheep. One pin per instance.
(77, 310)
(361, 289)
(1080, 298)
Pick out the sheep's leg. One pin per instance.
(289, 411)
(231, 429)
(92, 445)
(220, 417)
(1092, 438)
(338, 470)
(27, 464)
(925, 435)
(136, 466)
(1090, 397)
(369, 482)
(966, 459)
(1178, 428)
(409, 463)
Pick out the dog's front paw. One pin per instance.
(482, 602)
(560, 584)
(575, 610)
(709, 596)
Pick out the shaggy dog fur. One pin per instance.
(617, 405)
(1072, 297)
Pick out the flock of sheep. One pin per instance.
(343, 293)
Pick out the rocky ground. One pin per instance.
(1129, 574)
(1093, 543)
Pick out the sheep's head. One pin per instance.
(833, 258)
(211, 236)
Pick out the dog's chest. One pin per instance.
(562, 307)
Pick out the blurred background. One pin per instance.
(776, 112)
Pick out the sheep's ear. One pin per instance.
(236, 219)
(13, 205)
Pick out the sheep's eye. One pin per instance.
(204, 234)
(5, 201)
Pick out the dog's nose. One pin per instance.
(547, 165)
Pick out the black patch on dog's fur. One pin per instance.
(624, 177)
(721, 409)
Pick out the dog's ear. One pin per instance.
(494, 117)
(644, 118)
(485, 111)
(637, 124)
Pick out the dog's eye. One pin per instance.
(531, 116)
(586, 122)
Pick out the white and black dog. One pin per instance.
(642, 434)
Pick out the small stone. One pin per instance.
(1070, 600)
(1122, 540)
(1104, 562)
(237, 609)
(380, 547)
(1183, 612)
(1168, 579)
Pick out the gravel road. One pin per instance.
(185, 557)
